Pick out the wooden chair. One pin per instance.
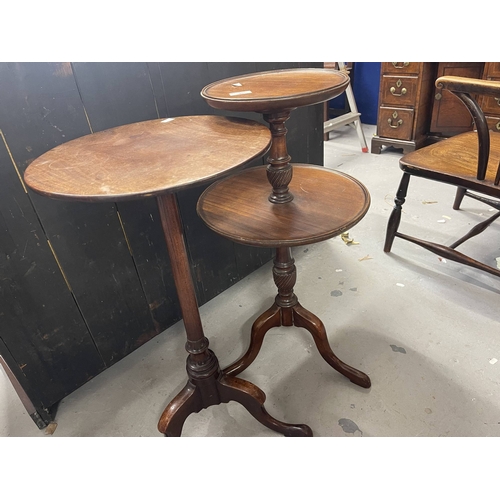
(469, 161)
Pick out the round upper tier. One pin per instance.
(272, 91)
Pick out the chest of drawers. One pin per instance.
(491, 105)
(413, 113)
(404, 105)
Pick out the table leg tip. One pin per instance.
(300, 430)
(362, 380)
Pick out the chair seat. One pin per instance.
(458, 161)
(454, 161)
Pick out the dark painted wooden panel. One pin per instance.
(40, 323)
(158, 90)
(182, 83)
(305, 143)
(94, 254)
(115, 93)
(31, 397)
(141, 222)
(212, 258)
(40, 107)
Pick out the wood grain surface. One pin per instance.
(325, 204)
(467, 84)
(455, 161)
(147, 158)
(270, 91)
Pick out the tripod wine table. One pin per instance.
(158, 158)
(283, 205)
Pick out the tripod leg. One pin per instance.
(252, 398)
(267, 320)
(173, 417)
(305, 319)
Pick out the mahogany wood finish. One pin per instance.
(132, 161)
(207, 385)
(307, 203)
(491, 104)
(158, 158)
(326, 203)
(275, 94)
(276, 91)
(404, 105)
(287, 311)
(414, 113)
(449, 117)
(470, 161)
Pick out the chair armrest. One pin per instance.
(465, 89)
(468, 85)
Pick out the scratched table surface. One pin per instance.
(147, 158)
(270, 91)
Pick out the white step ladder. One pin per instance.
(351, 118)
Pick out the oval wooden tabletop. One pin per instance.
(147, 158)
(270, 91)
(325, 204)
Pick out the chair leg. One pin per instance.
(459, 197)
(395, 217)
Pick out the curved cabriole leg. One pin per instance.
(227, 388)
(207, 386)
(395, 217)
(252, 398)
(267, 320)
(173, 417)
(306, 319)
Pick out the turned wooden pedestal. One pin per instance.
(283, 205)
(325, 204)
(158, 158)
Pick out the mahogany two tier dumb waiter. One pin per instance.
(158, 158)
(283, 205)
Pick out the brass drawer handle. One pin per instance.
(398, 123)
(497, 99)
(497, 126)
(396, 65)
(393, 89)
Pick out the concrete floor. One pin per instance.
(424, 330)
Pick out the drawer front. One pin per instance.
(401, 68)
(492, 69)
(493, 123)
(395, 123)
(491, 105)
(399, 91)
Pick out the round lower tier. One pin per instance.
(325, 204)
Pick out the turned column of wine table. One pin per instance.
(283, 205)
(158, 158)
